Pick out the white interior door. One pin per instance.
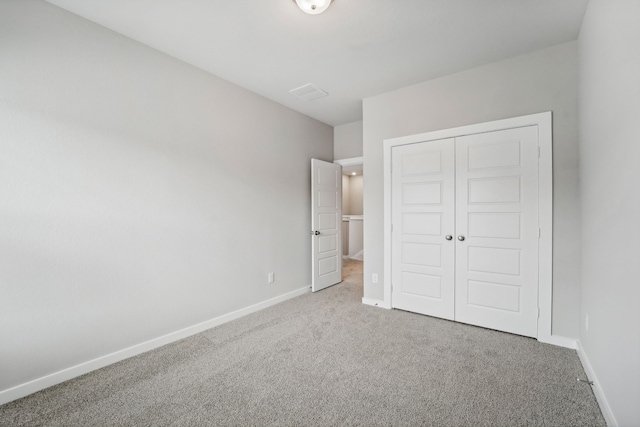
(423, 216)
(326, 224)
(497, 216)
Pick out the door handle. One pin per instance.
(315, 233)
(461, 238)
(448, 237)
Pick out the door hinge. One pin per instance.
(392, 228)
(539, 232)
(538, 315)
(538, 152)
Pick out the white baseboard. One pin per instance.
(559, 341)
(38, 384)
(374, 302)
(600, 397)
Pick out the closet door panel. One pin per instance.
(422, 215)
(497, 224)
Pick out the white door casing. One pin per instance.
(423, 208)
(480, 219)
(326, 224)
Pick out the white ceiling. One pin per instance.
(352, 169)
(356, 49)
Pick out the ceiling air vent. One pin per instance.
(308, 92)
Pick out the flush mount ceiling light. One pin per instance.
(313, 7)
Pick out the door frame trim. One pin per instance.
(351, 161)
(545, 207)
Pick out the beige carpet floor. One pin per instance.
(327, 359)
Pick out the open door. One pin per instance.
(326, 224)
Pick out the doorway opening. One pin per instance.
(352, 216)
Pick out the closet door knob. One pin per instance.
(448, 237)
(461, 238)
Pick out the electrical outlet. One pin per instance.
(374, 278)
(270, 278)
(586, 322)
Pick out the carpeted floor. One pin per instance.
(327, 359)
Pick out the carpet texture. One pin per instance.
(327, 359)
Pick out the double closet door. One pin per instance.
(465, 229)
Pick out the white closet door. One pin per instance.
(422, 215)
(497, 216)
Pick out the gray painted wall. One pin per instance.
(541, 81)
(353, 186)
(138, 194)
(609, 47)
(348, 140)
(346, 194)
(356, 186)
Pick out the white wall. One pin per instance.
(541, 81)
(138, 195)
(347, 140)
(609, 47)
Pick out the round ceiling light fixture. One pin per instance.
(313, 7)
